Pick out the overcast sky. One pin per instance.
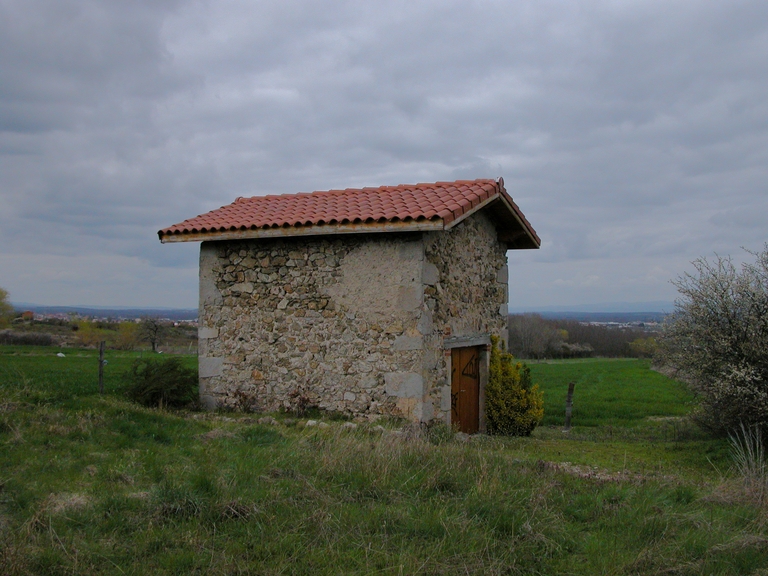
(632, 134)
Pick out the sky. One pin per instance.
(632, 134)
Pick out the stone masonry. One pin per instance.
(354, 323)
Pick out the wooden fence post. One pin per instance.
(101, 367)
(569, 407)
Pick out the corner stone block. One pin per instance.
(204, 333)
(409, 408)
(404, 384)
(209, 292)
(208, 402)
(430, 275)
(410, 251)
(408, 343)
(210, 366)
(445, 398)
(427, 411)
(409, 298)
(425, 325)
(504, 310)
(502, 275)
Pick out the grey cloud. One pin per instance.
(628, 131)
(62, 62)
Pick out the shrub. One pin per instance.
(127, 336)
(165, 382)
(6, 309)
(644, 347)
(514, 406)
(25, 338)
(717, 339)
(90, 334)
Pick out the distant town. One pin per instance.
(40, 313)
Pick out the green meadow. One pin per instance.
(617, 392)
(93, 484)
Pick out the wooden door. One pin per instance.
(465, 389)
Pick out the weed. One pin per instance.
(237, 510)
(176, 502)
(748, 454)
(439, 432)
(244, 400)
(300, 403)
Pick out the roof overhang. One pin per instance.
(513, 228)
(310, 230)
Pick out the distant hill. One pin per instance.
(620, 317)
(653, 311)
(108, 312)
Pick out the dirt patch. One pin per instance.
(68, 501)
(215, 434)
(595, 474)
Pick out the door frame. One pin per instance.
(483, 343)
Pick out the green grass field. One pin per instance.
(93, 484)
(619, 392)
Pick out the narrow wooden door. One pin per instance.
(465, 389)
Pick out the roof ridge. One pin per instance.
(386, 187)
(433, 202)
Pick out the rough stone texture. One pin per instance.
(465, 302)
(348, 323)
(311, 321)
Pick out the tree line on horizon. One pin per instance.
(532, 336)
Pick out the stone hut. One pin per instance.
(377, 301)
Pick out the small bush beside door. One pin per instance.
(514, 406)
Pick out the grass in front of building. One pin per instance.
(95, 484)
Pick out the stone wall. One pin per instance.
(465, 293)
(328, 322)
(354, 323)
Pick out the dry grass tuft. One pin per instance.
(54, 504)
(236, 510)
(742, 542)
(215, 434)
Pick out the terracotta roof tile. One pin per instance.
(423, 202)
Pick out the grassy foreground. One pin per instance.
(93, 484)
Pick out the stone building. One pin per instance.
(378, 301)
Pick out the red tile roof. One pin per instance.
(436, 205)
